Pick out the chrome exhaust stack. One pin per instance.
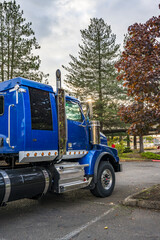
(93, 124)
(62, 122)
(95, 132)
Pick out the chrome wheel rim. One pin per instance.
(106, 179)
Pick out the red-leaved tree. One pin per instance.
(139, 69)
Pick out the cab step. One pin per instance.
(72, 176)
(73, 185)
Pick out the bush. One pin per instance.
(112, 141)
(127, 150)
(120, 147)
(150, 155)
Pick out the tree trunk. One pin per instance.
(120, 138)
(128, 141)
(13, 47)
(135, 142)
(8, 56)
(100, 83)
(141, 143)
(2, 51)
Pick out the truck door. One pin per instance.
(44, 133)
(76, 127)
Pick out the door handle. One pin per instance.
(8, 140)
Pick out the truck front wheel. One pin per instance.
(105, 180)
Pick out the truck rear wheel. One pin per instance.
(105, 180)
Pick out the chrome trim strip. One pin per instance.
(46, 176)
(71, 154)
(23, 157)
(40, 156)
(7, 183)
(77, 152)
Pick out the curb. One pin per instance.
(133, 202)
(135, 160)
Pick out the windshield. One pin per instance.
(73, 111)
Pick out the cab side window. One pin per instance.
(41, 112)
(1, 105)
(73, 111)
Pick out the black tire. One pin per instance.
(105, 180)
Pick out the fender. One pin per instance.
(99, 159)
(93, 158)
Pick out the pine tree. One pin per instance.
(17, 42)
(93, 74)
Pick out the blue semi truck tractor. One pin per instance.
(47, 144)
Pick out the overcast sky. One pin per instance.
(57, 24)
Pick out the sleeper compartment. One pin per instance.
(28, 121)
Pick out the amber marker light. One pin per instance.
(42, 153)
(27, 154)
(49, 154)
(35, 154)
(55, 153)
(69, 153)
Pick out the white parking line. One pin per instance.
(106, 204)
(80, 229)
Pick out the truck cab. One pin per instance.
(42, 131)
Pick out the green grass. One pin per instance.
(131, 155)
(150, 155)
(135, 155)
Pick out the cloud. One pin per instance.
(37, 12)
(57, 24)
(121, 14)
(69, 17)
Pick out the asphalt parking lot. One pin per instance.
(79, 215)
